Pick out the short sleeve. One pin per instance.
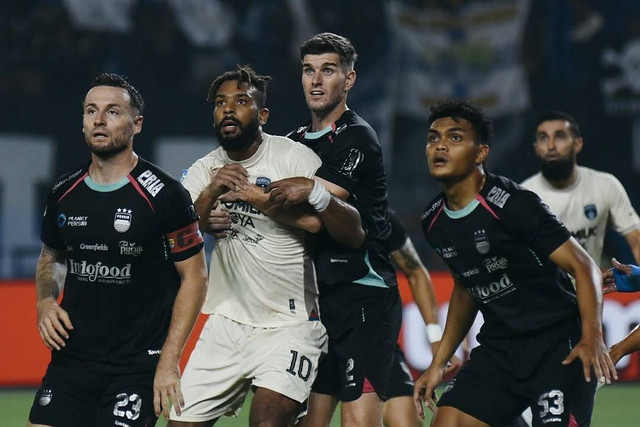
(346, 163)
(50, 234)
(196, 179)
(398, 235)
(179, 222)
(623, 217)
(530, 219)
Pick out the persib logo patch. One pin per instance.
(591, 212)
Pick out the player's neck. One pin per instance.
(113, 169)
(321, 119)
(461, 193)
(563, 183)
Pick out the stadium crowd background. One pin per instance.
(515, 58)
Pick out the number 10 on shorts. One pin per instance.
(302, 368)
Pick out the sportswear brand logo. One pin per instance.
(497, 289)
(333, 260)
(129, 248)
(151, 182)
(498, 196)
(122, 220)
(495, 263)
(482, 241)
(67, 179)
(433, 207)
(340, 129)
(153, 352)
(591, 212)
(45, 397)
(87, 272)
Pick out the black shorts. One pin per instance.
(363, 324)
(70, 397)
(499, 382)
(401, 382)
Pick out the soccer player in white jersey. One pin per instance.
(263, 331)
(585, 200)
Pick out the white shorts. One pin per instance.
(230, 357)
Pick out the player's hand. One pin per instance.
(608, 279)
(217, 223)
(594, 355)
(424, 389)
(166, 389)
(615, 353)
(53, 323)
(252, 194)
(230, 177)
(290, 191)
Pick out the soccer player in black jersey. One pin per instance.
(121, 237)
(541, 341)
(359, 300)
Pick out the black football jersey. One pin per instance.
(398, 236)
(352, 158)
(121, 242)
(498, 247)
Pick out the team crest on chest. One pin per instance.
(122, 220)
(481, 240)
(591, 212)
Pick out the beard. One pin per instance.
(557, 170)
(240, 141)
(106, 152)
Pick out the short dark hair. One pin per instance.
(331, 43)
(480, 122)
(243, 74)
(560, 115)
(116, 80)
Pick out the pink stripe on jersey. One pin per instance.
(75, 184)
(139, 190)
(485, 205)
(436, 217)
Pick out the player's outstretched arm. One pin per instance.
(628, 345)
(53, 321)
(341, 220)
(591, 349)
(409, 262)
(462, 312)
(621, 278)
(187, 306)
(633, 239)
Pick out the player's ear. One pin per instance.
(482, 154)
(263, 116)
(577, 145)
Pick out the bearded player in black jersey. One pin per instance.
(541, 342)
(121, 237)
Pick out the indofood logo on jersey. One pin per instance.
(122, 220)
(482, 241)
(88, 272)
(488, 292)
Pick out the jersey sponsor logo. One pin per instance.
(122, 220)
(498, 196)
(447, 253)
(340, 129)
(351, 163)
(94, 247)
(583, 235)
(338, 260)
(73, 221)
(471, 272)
(591, 212)
(151, 182)
(154, 352)
(88, 272)
(129, 248)
(489, 292)
(495, 263)
(62, 220)
(45, 397)
(263, 181)
(482, 241)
